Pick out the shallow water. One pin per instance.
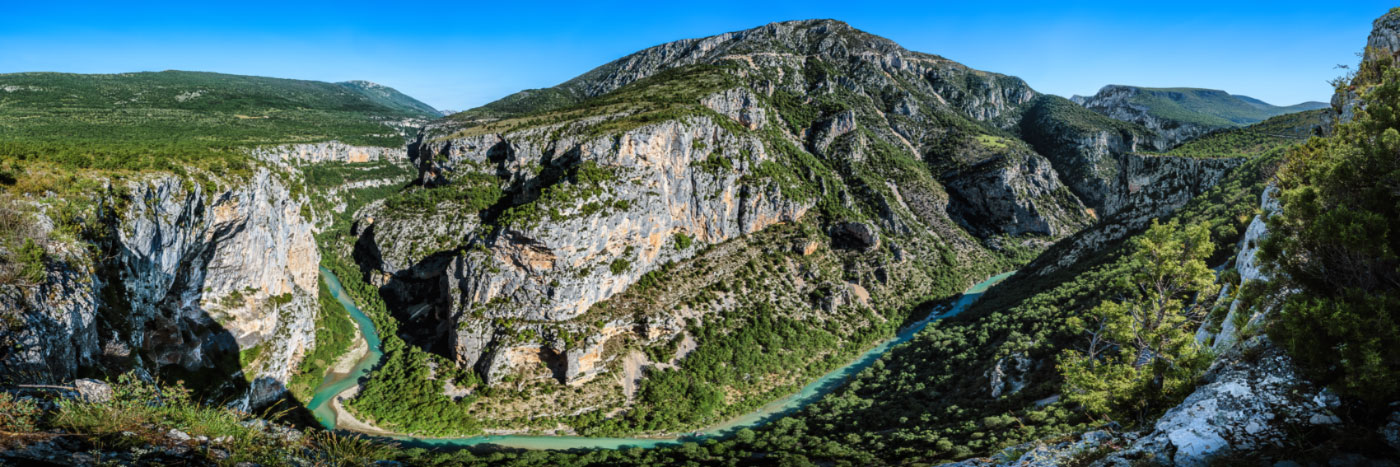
(334, 384)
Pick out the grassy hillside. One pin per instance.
(391, 98)
(1211, 107)
(145, 121)
(1277, 132)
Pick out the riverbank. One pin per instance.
(335, 413)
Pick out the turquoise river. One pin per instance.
(334, 384)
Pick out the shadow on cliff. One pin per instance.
(175, 339)
(419, 295)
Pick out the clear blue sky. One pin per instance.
(459, 55)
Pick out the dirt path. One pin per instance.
(685, 347)
(632, 372)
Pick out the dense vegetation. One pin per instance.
(1143, 355)
(334, 336)
(1276, 133)
(400, 394)
(1209, 107)
(1336, 242)
(143, 414)
(174, 121)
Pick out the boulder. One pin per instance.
(92, 390)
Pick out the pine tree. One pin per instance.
(1142, 353)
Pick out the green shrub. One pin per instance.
(31, 259)
(17, 415)
(1336, 242)
(619, 266)
(683, 241)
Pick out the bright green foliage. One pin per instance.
(31, 259)
(619, 266)
(1142, 354)
(334, 336)
(173, 120)
(17, 415)
(1210, 107)
(1336, 241)
(683, 241)
(467, 193)
(1273, 134)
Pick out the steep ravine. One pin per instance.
(329, 411)
(187, 282)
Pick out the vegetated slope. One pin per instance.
(672, 196)
(1277, 132)
(968, 386)
(391, 98)
(159, 119)
(1179, 114)
(134, 202)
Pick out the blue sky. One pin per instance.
(459, 55)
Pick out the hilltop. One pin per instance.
(1183, 113)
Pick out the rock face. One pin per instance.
(591, 239)
(1085, 147)
(1011, 197)
(1043, 454)
(1249, 270)
(57, 325)
(1248, 404)
(197, 278)
(1384, 42)
(739, 105)
(528, 214)
(330, 151)
(1117, 102)
(1147, 187)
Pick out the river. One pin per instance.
(334, 384)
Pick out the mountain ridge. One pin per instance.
(1179, 114)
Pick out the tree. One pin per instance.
(1141, 353)
(1335, 243)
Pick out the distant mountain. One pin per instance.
(211, 108)
(1179, 114)
(391, 98)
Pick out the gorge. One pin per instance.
(785, 245)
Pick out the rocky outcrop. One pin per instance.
(1147, 187)
(1044, 453)
(1119, 102)
(186, 264)
(1248, 404)
(196, 279)
(1384, 42)
(1015, 195)
(330, 151)
(1008, 375)
(48, 332)
(739, 105)
(1247, 265)
(1150, 186)
(606, 210)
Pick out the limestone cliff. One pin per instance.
(185, 281)
(330, 151)
(531, 213)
